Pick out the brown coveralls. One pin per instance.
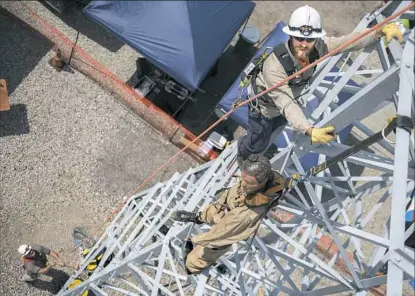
(232, 222)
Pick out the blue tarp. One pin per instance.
(182, 38)
(240, 115)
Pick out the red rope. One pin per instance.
(334, 52)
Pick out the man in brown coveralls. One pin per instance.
(235, 215)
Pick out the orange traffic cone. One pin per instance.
(57, 62)
(4, 98)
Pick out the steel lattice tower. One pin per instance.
(338, 203)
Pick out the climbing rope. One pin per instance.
(284, 81)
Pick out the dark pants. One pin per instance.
(259, 133)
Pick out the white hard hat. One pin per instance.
(24, 249)
(305, 22)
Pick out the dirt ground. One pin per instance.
(69, 152)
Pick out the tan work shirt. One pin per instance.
(285, 99)
(232, 221)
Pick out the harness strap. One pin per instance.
(251, 71)
(284, 58)
(401, 121)
(257, 200)
(404, 122)
(269, 196)
(265, 98)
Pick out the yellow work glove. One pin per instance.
(296, 176)
(391, 30)
(322, 135)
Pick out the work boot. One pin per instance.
(186, 249)
(221, 268)
(185, 216)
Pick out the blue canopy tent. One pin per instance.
(184, 39)
(240, 115)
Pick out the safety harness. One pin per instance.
(262, 199)
(271, 196)
(251, 72)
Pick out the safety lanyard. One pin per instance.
(401, 121)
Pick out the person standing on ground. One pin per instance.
(35, 261)
(235, 215)
(307, 43)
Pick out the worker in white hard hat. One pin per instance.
(35, 261)
(307, 43)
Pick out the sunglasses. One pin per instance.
(301, 39)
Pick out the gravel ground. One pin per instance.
(97, 41)
(69, 153)
(120, 58)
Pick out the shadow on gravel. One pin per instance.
(74, 17)
(201, 114)
(59, 278)
(197, 116)
(21, 49)
(14, 121)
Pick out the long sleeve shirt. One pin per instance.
(284, 99)
(232, 220)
